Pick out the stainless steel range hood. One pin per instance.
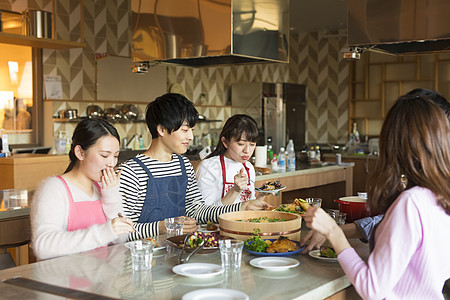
(210, 32)
(399, 26)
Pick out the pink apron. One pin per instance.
(84, 214)
(245, 194)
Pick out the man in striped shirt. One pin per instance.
(160, 183)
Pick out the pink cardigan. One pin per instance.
(411, 258)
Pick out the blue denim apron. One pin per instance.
(165, 196)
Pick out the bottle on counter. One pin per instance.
(60, 143)
(311, 154)
(318, 153)
(141, 142)
(274, 162)
(136, 143)
(282, 160)
(355, 133)
(269, 153)
(291, 155)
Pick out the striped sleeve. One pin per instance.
(195, 205)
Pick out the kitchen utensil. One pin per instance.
(184, 260)
(38, 23)
(113, 114)
(130, 112)
(94, 111)
(68, 114)
(355, 208)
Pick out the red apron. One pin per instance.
(84, 214)
(246, 194)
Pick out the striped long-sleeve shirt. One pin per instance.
(133, 187)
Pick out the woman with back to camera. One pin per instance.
(406, 261)
(73, 213)
(225, 176)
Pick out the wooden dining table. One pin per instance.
(106, 273)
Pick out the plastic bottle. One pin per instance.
(311, 154)
(60, 143)
(290, 155)
(136, 143)
(318, 153)
(355, 133)
(274, 162)
(269, 153)
(282, 160)
(68, 145)
(141, 142)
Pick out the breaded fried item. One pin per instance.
(281, 245)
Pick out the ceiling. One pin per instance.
(315, 15)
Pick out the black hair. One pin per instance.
(170, 110)
(86, 134)
(433, 96)
(234, 127)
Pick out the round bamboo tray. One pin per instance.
(229, 226)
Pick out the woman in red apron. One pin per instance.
(72, 213)
(226, 176)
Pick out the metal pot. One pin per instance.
(130, 112)
(94, 111)
(113, 114)
(354, 206)
(68, 114)
(38, 23)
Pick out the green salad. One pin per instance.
(256, 243)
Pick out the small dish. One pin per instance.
(274, 263)
(202, 228)
(198, 270)
(279, 254)
(316, 254)
(222, 294)
(258, 189)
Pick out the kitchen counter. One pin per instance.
(26, 171)
(328, 181)
(107, 272)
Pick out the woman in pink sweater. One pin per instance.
(79, 210)
(411, 186)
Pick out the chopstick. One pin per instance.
(135, 230)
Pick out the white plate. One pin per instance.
(202, 228)
(218, 294)
(198, 270)
(272, 263)
(162, 246)
(270, 191)
(316, 254)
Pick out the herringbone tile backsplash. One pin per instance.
(315, 60)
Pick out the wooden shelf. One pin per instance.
(23, 40)
(76, 120)
(364, 100)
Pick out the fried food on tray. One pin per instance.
(211, 226)
(298, 206)
(281, 245)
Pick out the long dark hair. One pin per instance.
(86, 134)
(234, 127)
(414, 142)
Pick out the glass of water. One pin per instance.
(231, 253)
(174, 226)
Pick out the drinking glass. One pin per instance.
(314, 201)
(174, 226)
(231, 253)
(340, 218)
(141, 255)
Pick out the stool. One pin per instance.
(6, 260)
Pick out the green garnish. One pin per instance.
(256, 243)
